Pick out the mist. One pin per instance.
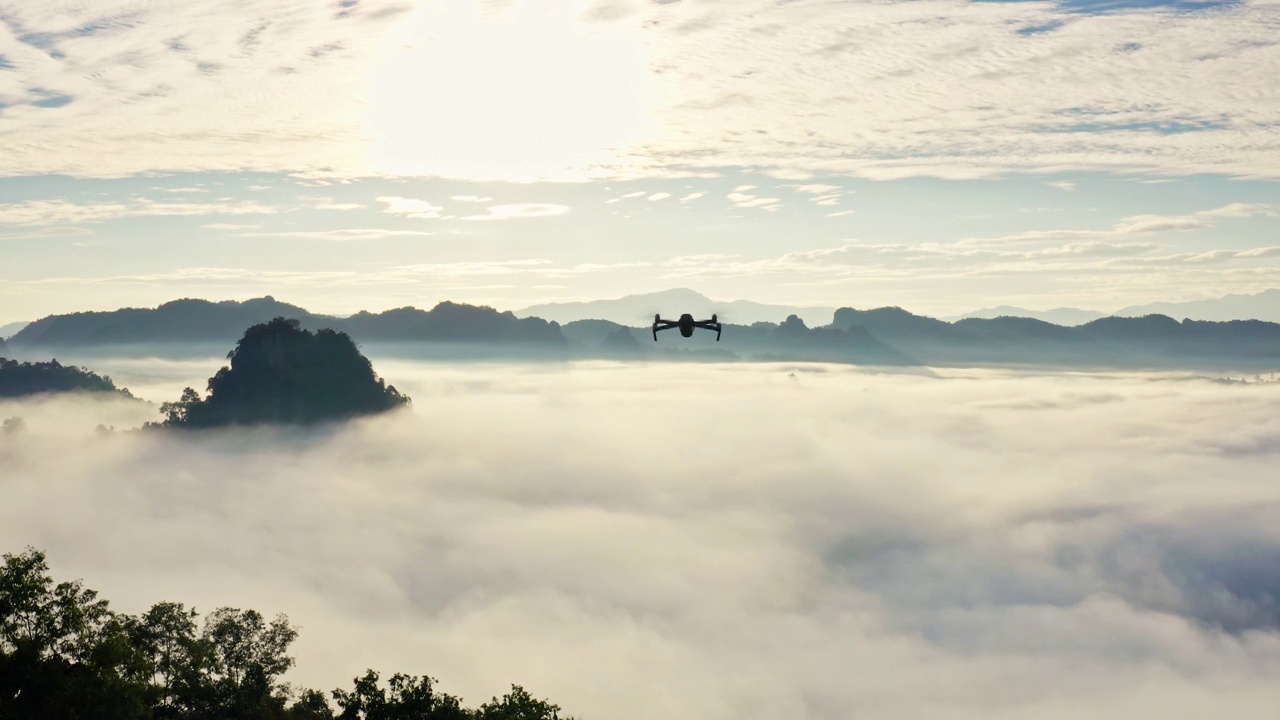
(707, 541)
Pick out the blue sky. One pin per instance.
(367, 155)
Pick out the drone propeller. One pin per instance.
(674, 313)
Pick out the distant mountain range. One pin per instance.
(640, 309)
(1259, 306)
(203, 321)
(880, 336)
(1058, 316)
(10, 329)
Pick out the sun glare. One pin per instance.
(522, 92)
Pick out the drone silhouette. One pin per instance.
(687, 324)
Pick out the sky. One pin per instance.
(734, 542)
(939, 156)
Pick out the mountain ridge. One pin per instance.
(1263, 305)
(886, 336)
(673, 302)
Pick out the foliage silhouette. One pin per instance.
(64, 654)
(280, 373)
(19, 379)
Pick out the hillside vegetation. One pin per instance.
(65, 654)
(20, 379)
(280, 373)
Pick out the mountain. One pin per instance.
(184, 320)
(638, 309)
(1057, 316)
(10, 329)
(1151, 341)
(894, 322)
(20, 379)
(1260, 306)
(449, 322)
(280, 373)
(877, 336)
(791, 340)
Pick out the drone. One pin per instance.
(687, 324)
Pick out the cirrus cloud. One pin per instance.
(520, 210)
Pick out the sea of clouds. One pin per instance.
(715, 542)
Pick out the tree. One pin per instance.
(311, 705)
(407, 697)
(65, 654)
(245, 658)
(166, 635)
(518, 705)
(177, 413)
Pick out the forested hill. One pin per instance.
(184, 320)
(222, 322)
(280, 373)
(20, 379)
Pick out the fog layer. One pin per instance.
(710, 541)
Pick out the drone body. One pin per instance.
(687, 325)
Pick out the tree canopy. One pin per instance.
(280, 373)
(64, 654)
(19, 379)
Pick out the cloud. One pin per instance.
(410, 207)
(986, 542)
(341, 235)
(469, 198)
(1134, 225)
(317, 287)
(1062, 185)
(842, 213)
(232, 226)
(49, 212)
(659, 196)
(815, 188)
(741, 199)
(45, 232)
(520, 210)
(1272, 251)
(691, 197)
(1239, 210)
(331, 204)
(958, 90)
